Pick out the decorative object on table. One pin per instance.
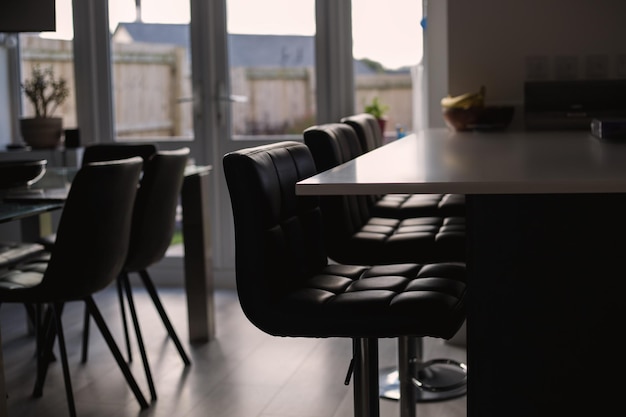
(378, 110)
(21, 173)
(45, 92)
(468, 112)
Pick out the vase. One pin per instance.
(382, 123)
(42, 132)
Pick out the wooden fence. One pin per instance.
(153, 94)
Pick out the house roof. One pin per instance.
(243, 50)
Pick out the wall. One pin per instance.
(500, 44)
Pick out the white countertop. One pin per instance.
(442, 161)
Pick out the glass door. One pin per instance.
(387, 48)
(271, 56)
(254, 82)
(151, 69)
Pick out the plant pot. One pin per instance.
(42, 132)
(382, 123)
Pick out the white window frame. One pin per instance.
(335, 99)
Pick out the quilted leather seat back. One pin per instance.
(367, 128)
(333, 144)
(279, 238)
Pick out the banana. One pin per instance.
(465, 101)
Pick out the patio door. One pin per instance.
(243, 73)
(151, 69)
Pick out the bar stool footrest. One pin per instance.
(437, 380)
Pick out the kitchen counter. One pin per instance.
(441, 161)
(546, 238)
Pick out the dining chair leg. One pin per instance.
(142, 350)
(35, 317)
(99, 320)
(85, 348)
(120, 297)
(31, 312)
(57, 308)
(47, 333)
(147, 282)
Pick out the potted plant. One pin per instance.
(378, 110)
(46, 93)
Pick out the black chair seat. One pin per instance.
(385, 240)
(379, 301)
(403, 206)
(13, 253)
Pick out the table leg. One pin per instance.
(198, 257)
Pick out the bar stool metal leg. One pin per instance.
(365, 354)
(406, 370)
(435, 380)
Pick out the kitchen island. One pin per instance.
(545, 248)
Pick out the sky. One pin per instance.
(388, 32)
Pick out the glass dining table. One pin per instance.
(28, 214)
(32, 207)
(33, 216)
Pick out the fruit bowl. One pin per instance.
(481, 118)
(21, 173)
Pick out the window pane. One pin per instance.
(151, 69)
(271, 50)
(52, 50)
(387, 58)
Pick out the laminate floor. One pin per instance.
(242, 373)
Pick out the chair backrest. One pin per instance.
(92, 234)
(111, 151)
(278, 235)
(367, 129)
(333, 144)
(154, 215)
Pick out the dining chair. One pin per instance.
(98, 210)
(153, 225)
(152, 229)
(287, 287)
(111, 151)
(108, 152)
